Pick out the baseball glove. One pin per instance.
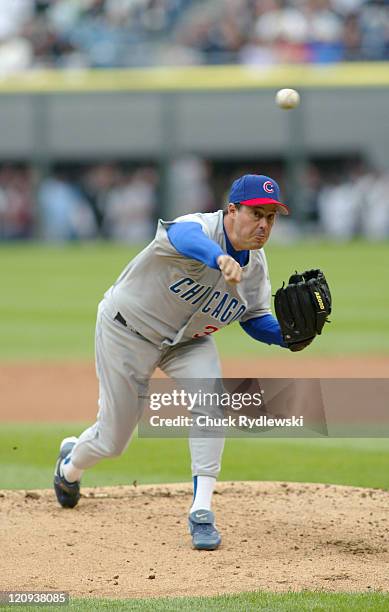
(302, 308)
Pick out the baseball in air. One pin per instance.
(287, 98)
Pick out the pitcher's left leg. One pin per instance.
(199, 360)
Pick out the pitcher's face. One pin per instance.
(249, 227)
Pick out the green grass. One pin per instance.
(28, 452)
(48, 303)
(49, 297)
(266, 602)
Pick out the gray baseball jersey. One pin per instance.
(171, 305)
(169, 298)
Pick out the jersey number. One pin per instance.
(208, 330)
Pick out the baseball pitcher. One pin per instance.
(200, 273)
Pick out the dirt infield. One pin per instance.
(133, 541)
(68, 391)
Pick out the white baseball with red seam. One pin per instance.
(287, 98)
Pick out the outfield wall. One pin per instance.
(226, 112)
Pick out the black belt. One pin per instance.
(120, 319)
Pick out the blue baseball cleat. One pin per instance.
(202, 528)
(68, 493)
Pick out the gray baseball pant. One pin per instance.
(125, 362)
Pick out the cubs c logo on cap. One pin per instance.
(257, 190)
(268, 187)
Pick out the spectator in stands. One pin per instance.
(355, 204)
(14, 15)
(16, 208)
(374, 223)
(190, 187)
(97, 182)
(64, 214)
(130, 207)
(120, 33)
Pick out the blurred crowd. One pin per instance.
(16, 202)
(266, 32)
(128, 33)
(114, 202)
(352, 204)
(78, 203)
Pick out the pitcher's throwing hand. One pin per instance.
(231, 270)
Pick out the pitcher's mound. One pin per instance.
(133, 541)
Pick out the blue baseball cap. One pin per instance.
(257, 190)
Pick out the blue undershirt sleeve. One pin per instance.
(189, 240)
(265, 329)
